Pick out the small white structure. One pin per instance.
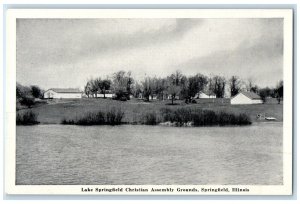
(153, 97)
(170, 97)
(62, 93)
(107, 95)
(246, 98)
(201, 94)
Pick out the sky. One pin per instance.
(65, 53)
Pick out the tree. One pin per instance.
(24, 95)
(94, 87)
(23, 91)
(176, 78)
(174, 91)
(254, 89)
(210, 86)
(264, 93)
(36, 92)
(163, 86)
(130, 82)
(193, 85)
(175, 82)
(137, 89)
(250, 86)
(88, 89)
(147, 88)
(219, 86)
(235, 87)
(122, 84)
(159, 87)
(104, 85)
(27, 101)
(279, 91)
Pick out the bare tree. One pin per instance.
(147, 88)
(219, 86)
(175, 82)
(88, 89)
(174, 91)
(235, 87)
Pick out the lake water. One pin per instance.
(66, 155)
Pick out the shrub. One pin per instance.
(182, 115)
(150, 119)
(123, 98)
(114, 116)
(122, 95)
(244, 119)
(67, 122)
(201, 117)
(27, 118)
(209, 117)
(111, 117)
(168, 114)
(27, 101)
(91, 119)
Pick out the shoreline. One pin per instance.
(139, 124)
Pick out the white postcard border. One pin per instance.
(10, 112)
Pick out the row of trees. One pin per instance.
(176, 85)
(121, 83)
(276, 92)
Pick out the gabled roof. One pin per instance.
(250, 95)
(58, 90)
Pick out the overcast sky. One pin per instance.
(64, 53)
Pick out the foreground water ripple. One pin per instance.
(67, 155)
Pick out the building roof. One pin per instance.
(58, 90)
(251, 95)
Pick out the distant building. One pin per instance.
(108, 94)
(246, 98)
(153, 97)
(202, 94)
(62, 93)
(170, 97)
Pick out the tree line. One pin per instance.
(176, 86)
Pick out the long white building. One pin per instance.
(62, 93)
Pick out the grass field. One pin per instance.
(53, 112)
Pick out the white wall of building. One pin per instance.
(203, 95)
(242, 99)
(108, 95)
(52, 94)
(257, 101)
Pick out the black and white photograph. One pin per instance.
(173, 102)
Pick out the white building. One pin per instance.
(62, 93)
(107, 95)
(246, 98)
(201, 94)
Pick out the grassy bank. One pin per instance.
(134, 110)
